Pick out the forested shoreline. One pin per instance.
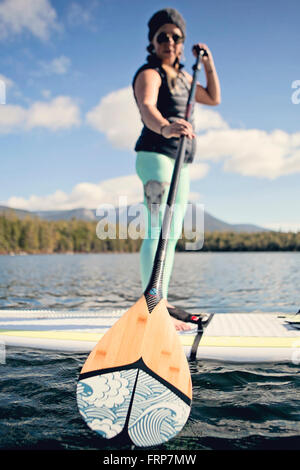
(32, 235)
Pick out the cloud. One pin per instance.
(36, 16)
(117, 117)
(85, 195)
(252, 152)
(60, 113)
(248, 152)
(83, 15)
(57, 66)
(8, 82)
(198, 170)
(46, 94)
(11, 117)
(121, 191)
(206, 119)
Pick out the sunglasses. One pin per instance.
(164, 37)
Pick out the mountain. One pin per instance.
(212, 224)
(130, 214)
(18, 212)
(88, 215)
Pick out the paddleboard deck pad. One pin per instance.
(226, 337)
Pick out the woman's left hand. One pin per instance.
(207, 58)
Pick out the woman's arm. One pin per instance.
(146, 89)
(211, 95)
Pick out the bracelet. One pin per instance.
(162, 127)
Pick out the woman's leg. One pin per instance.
(155, 171)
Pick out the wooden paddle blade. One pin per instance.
(136, 382)
(163, 353)
(122, 344)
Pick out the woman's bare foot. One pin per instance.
(179, 325)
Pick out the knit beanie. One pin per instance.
(161, 17)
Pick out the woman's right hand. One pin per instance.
(177, 129)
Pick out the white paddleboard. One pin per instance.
(229, 337)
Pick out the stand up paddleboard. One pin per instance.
(227, 337)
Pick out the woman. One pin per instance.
(161, 88)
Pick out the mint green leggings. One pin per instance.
(155, 171)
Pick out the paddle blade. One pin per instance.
(132, 404)
(135, 384)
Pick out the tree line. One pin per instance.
(33, 235)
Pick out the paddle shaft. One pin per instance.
(153, 292)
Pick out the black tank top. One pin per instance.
(172, 105)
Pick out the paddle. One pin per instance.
(135, 385)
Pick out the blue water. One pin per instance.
(234, 406)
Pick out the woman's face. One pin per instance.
(168, 50)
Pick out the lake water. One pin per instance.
(234, 406)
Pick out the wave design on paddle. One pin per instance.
(158, 414)
(103, 401)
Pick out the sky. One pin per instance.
(69, 123)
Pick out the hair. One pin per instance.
(171, 71)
